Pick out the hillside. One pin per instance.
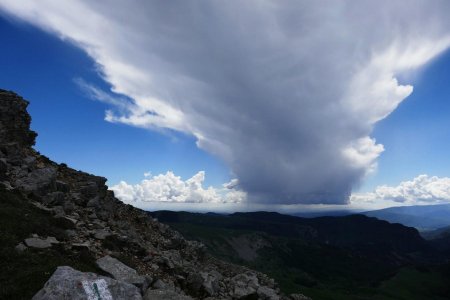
(422, 217)
(58, 223)
(350, 257)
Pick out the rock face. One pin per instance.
(97, 223)
(121, 272)
(67, 283)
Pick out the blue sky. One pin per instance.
(207, 109)
(42, 68)
(416, 135)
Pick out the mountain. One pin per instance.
(348, 257)
(440, 239)
(325, 213)
(422, 217)
(64, 227)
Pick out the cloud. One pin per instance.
(286, 93)
(423, 189)
(171, 188)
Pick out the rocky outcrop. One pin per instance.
(97, 223)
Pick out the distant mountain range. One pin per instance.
(422, 217)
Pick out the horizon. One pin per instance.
(238, 128)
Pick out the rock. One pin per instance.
(68, 283)
(89, 190)
(211, 282)
(159, 285)
(14, 120)
(81, 246)
(6, 185)
(21, 247)
(265, 293)
(42, 207)
(35, 242)
(164, 295)
(244, 285)
(101, 234)
(37, 179)
(299, 297)
(62, 186)
(55, 198)
(3, 168)
(120, 271)
(94, 202)
(66, 222)
(70, 233)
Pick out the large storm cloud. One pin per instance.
(285, 92)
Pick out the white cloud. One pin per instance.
(286, 93)
(171, 188)
(423, 189)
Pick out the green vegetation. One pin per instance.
(24, 273)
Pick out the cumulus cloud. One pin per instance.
(171, 188)
(286, 93)
(423, 189)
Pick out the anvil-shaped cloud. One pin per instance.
(285, 92)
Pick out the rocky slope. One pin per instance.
(166, 266)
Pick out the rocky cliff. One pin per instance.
(165, 265)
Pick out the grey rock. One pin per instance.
(299, 297)
(6, 185)
(42, 207)
(159, 285)
(101, 234)
(55, 198)
(58, 211)
(94, 202)
(120, 271)
(244, 285)
(21, 247)
(68, 283)
(164, 295)
(68, 207)
(89, 190)
(37, 179)
(70, 233)
(81, 246)
(3, 166)
(265, 293)
(66, 222)
(62, 186)
(35, 242)
(210, 282)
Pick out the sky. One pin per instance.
(228, 105)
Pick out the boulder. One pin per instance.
(120, 271)
(35, 242)
(244, 285)
(68, 283)
(101, 234)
